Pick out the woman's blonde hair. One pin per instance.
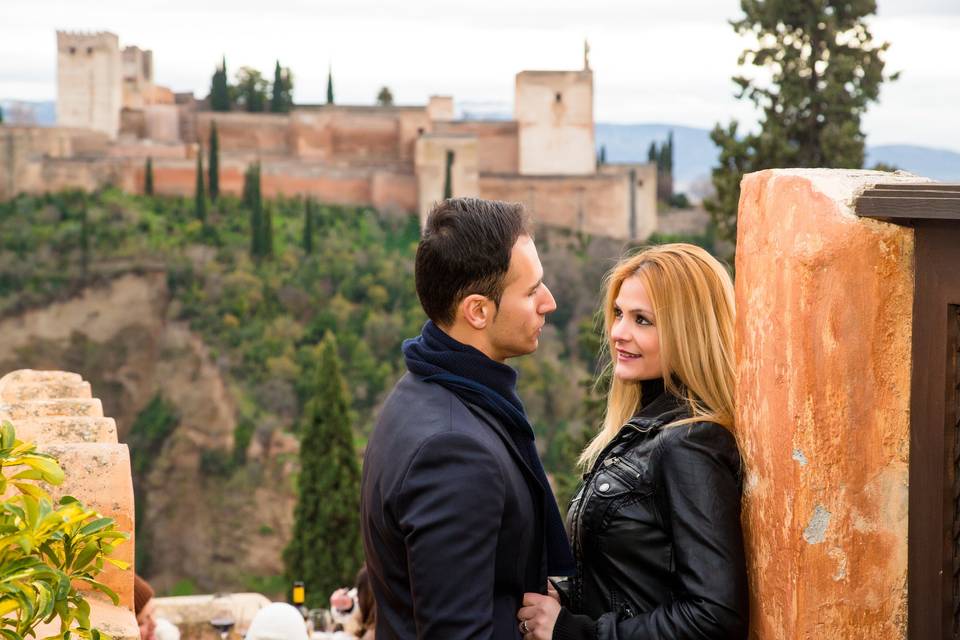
(693, 305)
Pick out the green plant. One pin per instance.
(47, 549)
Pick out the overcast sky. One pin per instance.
(653, 61)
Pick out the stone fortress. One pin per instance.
(111, 116)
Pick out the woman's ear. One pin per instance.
(475, 309)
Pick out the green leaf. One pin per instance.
(102, 588)
(51, 470)
(7, 435)
(95, 526)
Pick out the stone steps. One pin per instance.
(63, 429)
(56, 410)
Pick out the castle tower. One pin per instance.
(137, 77)
(89, 81)
(554, 114)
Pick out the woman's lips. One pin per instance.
(626, 355)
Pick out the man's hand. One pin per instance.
(538, 615)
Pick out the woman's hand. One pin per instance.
(341, 600)
(538, 616)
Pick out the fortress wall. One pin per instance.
(394, 191)
(264, 133)
(823, 334)
(497, 140)
(598, 205)
(554, 112)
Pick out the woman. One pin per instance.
(355, 610)
(656, 522)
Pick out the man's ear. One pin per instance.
(476, 310)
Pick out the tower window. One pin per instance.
(73, 50)
(558, 97)
(89, 51)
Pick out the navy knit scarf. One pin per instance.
(476, 379)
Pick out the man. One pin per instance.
(458, 519)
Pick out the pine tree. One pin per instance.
(219, 91)
(824, 70)
(448, 177)
(200, 193)
(308, 227)
(330, 85)
(325, 550)
(214, 163)
(385, 97)
(148, 177)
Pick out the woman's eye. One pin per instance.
(643, 321)
(617, 313)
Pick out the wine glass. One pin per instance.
(223, 618)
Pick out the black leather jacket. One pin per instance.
(656, 532)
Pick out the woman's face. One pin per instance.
(633, 335)
(146, 622)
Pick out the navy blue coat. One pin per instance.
(452, 519)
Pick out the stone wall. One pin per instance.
(554, 114)
(56, 410)
(431, 168)
(823, 335)
(89, 81)
(598, 204)
(497, 142)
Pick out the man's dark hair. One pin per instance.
(465, 250)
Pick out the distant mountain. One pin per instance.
(26, 112)
(695, 154)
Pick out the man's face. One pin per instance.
(526, 300)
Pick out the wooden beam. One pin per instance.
(908, 203)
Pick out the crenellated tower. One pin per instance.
(89, 81)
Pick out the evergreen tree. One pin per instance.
(824, 71)
(1, 115)
(219, 91)
(308, 224)
(281, 100)
(84, 239)
(330, 85)
(266, 242)
(254, 205)
(214, 162)
(603, 154)
(385, 97)
(325, 550)
(652, 154)
(200, 193)
(448, 177)
(668, 154)
(148, 177)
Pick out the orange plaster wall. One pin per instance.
(823, 335)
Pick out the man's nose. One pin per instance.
(549, 305)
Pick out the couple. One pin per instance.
(460, 526)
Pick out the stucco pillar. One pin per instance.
(824, 315)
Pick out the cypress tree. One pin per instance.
(330, 85)
(266, 242)
(448, 177)
(84, 239)
(219, 91)
(668, 164)
(148, 177)
(824, 71)
(282, 97)
(200, 193)
(253, 204)
(1, 115)
(652, 155)
(325, 550)
(603, 154)
(214, 162)
(308, 227)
